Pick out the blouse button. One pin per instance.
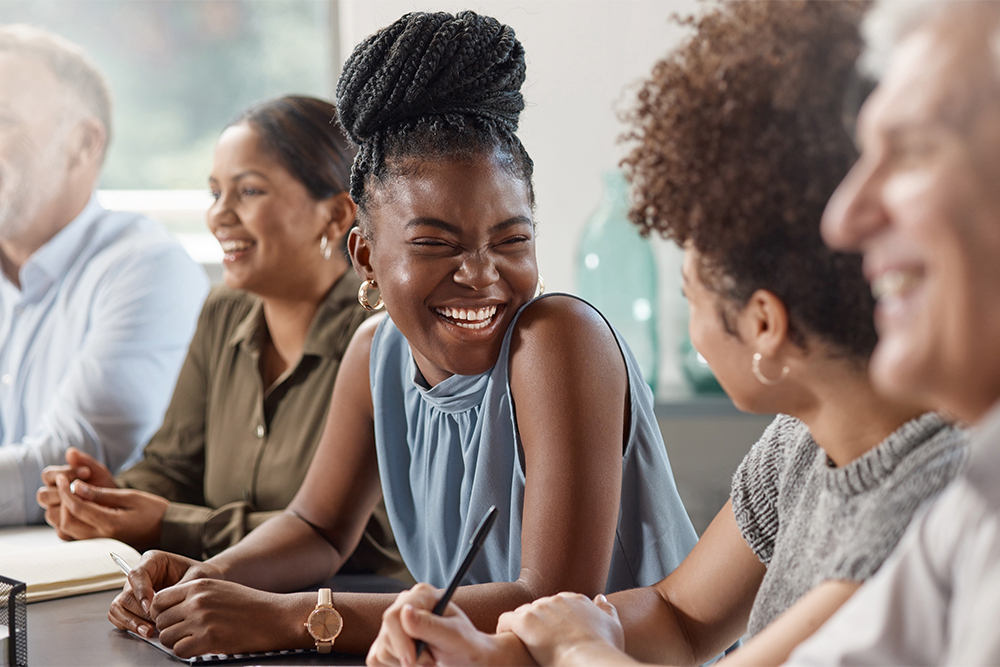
(260, 430)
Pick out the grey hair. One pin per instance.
(69, 63)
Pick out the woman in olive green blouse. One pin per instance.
(252, 396)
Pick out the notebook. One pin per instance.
(217, 657)
(52, 568)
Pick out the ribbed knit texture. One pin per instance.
(809, 522)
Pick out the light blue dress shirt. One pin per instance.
(448, 452)
(90, 347)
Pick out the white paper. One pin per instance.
(53, 568)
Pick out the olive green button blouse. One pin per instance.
(231, 453)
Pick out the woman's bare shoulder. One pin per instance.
(565, 328)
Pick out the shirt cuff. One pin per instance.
(17, 499)
(181, 529)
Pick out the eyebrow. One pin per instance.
(240, 176)
(454, 229)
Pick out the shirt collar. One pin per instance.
(322, 336)
(248, 332)
(50, 263)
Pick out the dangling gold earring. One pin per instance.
(763, 379)
(363, 296)
(541, 287)
(325, 247)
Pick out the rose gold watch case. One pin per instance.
(324, 625)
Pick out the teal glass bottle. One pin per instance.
(616, 272)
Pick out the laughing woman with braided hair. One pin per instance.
(739, 142)
(471, 393)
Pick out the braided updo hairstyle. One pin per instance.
(739, 141)
(432, 86)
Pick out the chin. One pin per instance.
(895, 373)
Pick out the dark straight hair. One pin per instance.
(303, 133)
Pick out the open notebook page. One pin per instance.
(53, 568)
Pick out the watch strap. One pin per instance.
(325, 598)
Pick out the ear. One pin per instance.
(360, 250)
(763, 323)
(340, 210)
(86, 144)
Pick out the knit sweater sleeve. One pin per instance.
(757, 482)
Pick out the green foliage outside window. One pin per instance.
(181, 69)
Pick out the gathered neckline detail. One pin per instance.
(457, 393)
(874, 466)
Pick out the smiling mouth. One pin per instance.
(895, 284)
(468, 318)
(235, 248)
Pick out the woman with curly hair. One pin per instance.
(471, 394)
(739, 143)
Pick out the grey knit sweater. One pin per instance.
(810, 522)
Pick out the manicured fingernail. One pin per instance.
(602, 597)
(145, 605)
(73, 486)
(144, 630)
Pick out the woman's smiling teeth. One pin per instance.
(232, 246)
(468, 318)
(895, 283)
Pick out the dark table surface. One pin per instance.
(76, 631)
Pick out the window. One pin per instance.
(179, 72)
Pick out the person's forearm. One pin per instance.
(284, 554)
(585, 655)
(775, 643)
(482, 603)
(653, 630)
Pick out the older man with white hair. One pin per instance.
(96, 307)
(923, 205)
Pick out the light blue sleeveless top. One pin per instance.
(446, 453)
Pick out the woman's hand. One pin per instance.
(552, 628)
(158, 570)
(213, 616)
(451, 639)
(87, 511)
(79, 465)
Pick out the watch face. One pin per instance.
(325, 624)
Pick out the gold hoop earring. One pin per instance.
(325, 247)
(363, 296)
(763, 379)
(540, 290)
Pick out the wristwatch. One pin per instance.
(324, 622)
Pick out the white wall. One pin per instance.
(585, 60)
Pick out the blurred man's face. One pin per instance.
(32, 141)
(923, 205)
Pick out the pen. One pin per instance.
(120, 562)
(475, 544)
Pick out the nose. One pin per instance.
(220, 214)
(855, 212)
(477, 271)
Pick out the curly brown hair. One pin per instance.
(739, 143)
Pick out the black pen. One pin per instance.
(474, 547)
